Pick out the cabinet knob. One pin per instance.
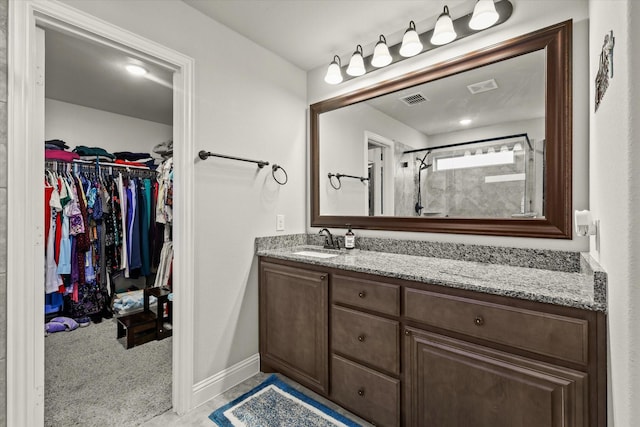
(361, 392)
(479, 321)
(362, 337)
(324, 276)
(407, 332)
(362, 294)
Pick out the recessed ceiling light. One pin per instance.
(465, 122)
(136, 70)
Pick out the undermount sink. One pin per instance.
(315, 254)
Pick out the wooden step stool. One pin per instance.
(140, 328)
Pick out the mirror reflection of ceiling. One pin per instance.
(519, 95)
(85, 73)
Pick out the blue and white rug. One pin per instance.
(275, 404)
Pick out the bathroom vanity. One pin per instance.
(421, 341)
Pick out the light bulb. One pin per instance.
(356, 64)
(381, 56)
(484, 15)
(136, 70)
(334, 74)
(411, 44)
(443, 33)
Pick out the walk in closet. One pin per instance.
(108, 221)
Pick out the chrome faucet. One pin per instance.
(328, 240)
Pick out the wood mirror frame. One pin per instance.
(557, 221)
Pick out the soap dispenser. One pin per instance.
(349, 239)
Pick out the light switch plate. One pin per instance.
(279, 222)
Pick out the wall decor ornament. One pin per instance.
(605, 69)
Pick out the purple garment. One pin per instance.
(74, 265)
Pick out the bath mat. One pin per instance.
(274, 404)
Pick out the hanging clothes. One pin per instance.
(96, 224)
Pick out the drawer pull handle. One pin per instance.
(361, 338)
(361, 392)
(324, 276)
(479, 321)
(362, 294)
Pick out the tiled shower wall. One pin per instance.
(3, 212)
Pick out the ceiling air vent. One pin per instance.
(413, 99)
(484, 86)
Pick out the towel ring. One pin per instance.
(274, 168)
(331, 181)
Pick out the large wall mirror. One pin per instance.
(480, 144)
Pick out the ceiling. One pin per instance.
(85, 73)
(308, 33)
(520, 95)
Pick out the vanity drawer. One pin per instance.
(543, 333)
(368, 294)
(366, 338)
(372, 395)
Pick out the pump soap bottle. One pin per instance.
(349, 239)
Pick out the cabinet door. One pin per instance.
(293, 323)
(456, 384)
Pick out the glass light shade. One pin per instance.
(504, 148)
(411, 44)
(334, 74)
(484, 15)
(443, 33)
(478, 151)
(381, 56)
(356, 64)
(517, 147)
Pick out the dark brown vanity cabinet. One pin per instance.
(452, 383)
(294, 324)
(400, 353)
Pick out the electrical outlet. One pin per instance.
(279, 222)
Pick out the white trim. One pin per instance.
(217, 384)
(388, 147)
(25, 336)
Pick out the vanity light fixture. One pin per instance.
(465, 122)
(443, 33)
(356, 64)
(411, 45)
(484, 15)
(334, 73)
(136, 70)
(381, 56)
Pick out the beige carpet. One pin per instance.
(92, 380)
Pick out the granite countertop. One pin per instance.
(572, 289)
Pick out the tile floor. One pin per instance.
(199, 417)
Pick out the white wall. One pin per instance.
(250, 103)
(615, 197)
(78, 125)
(534, 128)
(345, 153)
(528, 16)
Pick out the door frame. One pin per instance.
(25, 246)
(388, 147)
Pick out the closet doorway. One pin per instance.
(26, 109)
(108, 156)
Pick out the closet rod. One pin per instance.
(93, 163)
(206, 154)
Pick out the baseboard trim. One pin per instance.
(217, 384)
